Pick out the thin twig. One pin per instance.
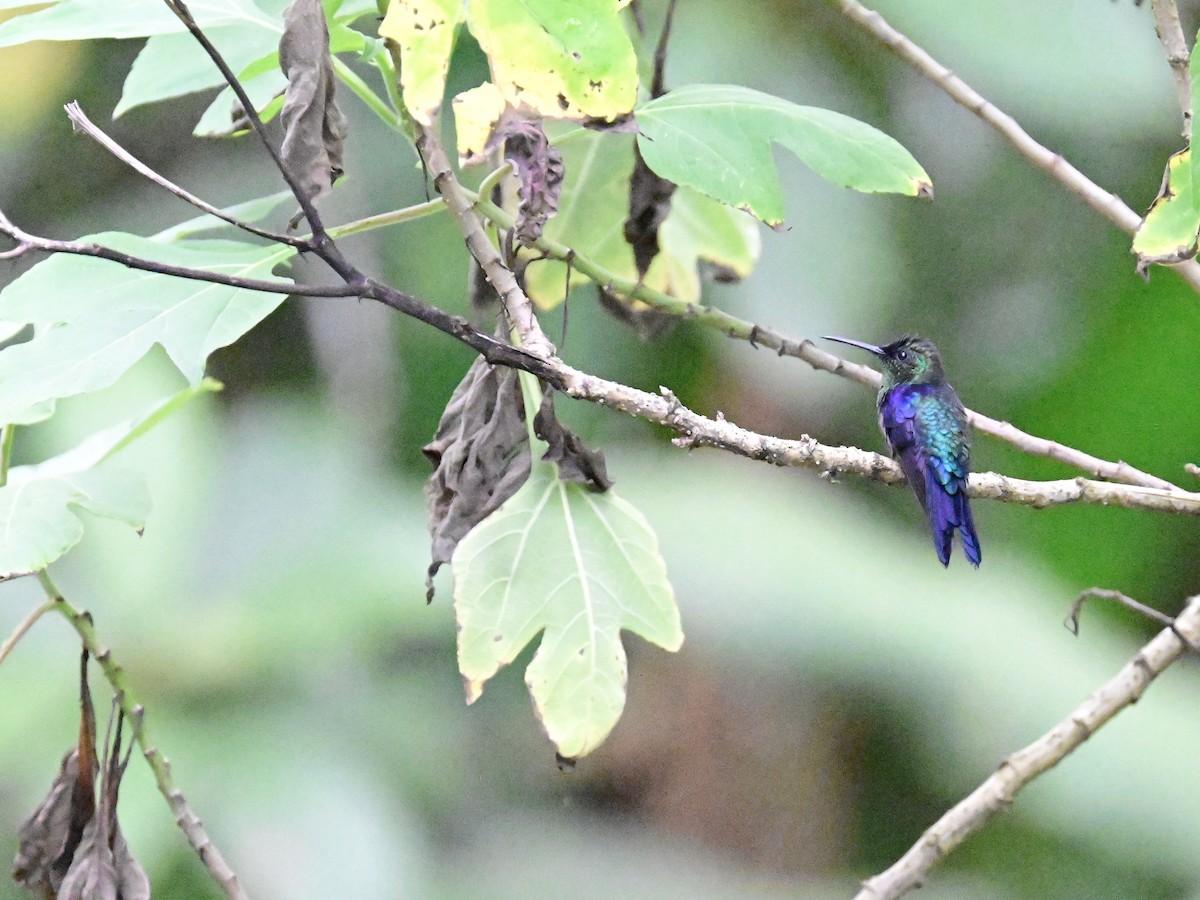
(185, 818)
(85, 125)
(27, 242)
(803, 349)
(1072, 619)
(998, 792)
(1107, 204)
(23, 627)
(1170, 33)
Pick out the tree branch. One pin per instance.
(27, 242)
(820, 360)
(1170, 33)
(1108, 205)
(135, 713)
(461, 205)
(999, 791)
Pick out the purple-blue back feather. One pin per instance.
(926, 426)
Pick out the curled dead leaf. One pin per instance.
(314, 127)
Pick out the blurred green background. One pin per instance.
(837, 689)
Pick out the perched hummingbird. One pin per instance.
(926, 430)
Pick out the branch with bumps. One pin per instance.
(1021, 768)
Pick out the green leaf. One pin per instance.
(171, 65)
(97, 318)
(718, 138)
(80, 20)
(566, 60)
(580, 567)
(38, 519)
(424, 31)
(591, 215)
(1168, 232)
(39, 505)
(248, 211)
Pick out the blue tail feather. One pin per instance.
(949, 511)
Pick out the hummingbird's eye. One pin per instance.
(902, 355)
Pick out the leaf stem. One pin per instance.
(7, 434)
(395, 217)
(363, 91)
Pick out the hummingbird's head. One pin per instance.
(909, 360)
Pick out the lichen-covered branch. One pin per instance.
(998, 791)
(806, 350)
(1170, 34)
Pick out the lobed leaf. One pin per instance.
(1168, 232)
(559, 59)
(81, 20)
(592, 210)
(718, 139)
(96, 318)
(39, 506)
(577, 567)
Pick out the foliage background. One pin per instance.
(837, 689)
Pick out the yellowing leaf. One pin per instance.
(566, 60)
(476, 113)
(424, 32)
(1168, 233)
(577, 567)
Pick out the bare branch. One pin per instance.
(1072, 620)
(23, 627)
(1108, 205)
(87, 126)
(27, 242)
(999, 791)
(185, 818)
(1170, 33)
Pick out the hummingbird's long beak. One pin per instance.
(871, 348)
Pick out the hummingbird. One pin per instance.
(927, 432)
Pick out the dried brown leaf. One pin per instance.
(480, 456)
(650, 324)
(314, 126)
(574, 460)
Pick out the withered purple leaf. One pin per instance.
(649, 205)
(480, 456)
(649, 193)
(574, 460)
(314, 127)
(540, 169)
